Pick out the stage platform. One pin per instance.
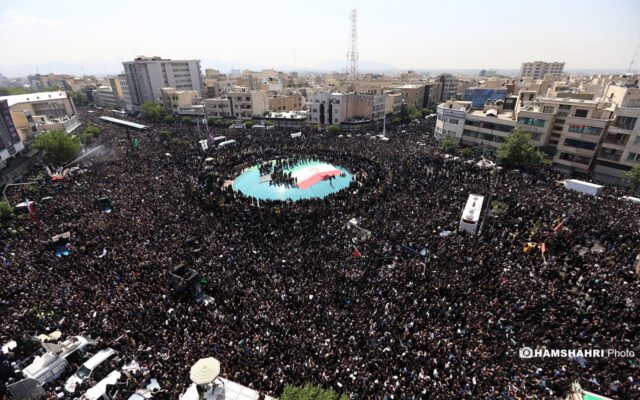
(314, 180)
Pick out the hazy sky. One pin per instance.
(410, 34)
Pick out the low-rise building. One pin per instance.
(242, 104)
(478, 96)
(218, 108)
(345, 108)
(393, 104)
(413, 95)
(287, 119)
(246, 104)
(293, 102)
(174, 101)
(49, 110)
(103, 96)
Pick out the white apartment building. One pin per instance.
(146, 76)
(450, 119)
(538, 69)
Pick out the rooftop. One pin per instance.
(501, 115)
(33, 97)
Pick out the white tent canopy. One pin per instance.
(205, 371)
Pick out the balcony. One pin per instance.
(628, 127)
(610, 154)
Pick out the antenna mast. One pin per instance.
(352, 55)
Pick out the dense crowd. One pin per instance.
(291, 302)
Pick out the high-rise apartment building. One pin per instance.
(448, 86)
(538, 69)
(146, 76)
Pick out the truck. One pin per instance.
(583, 187)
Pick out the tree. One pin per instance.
(334, 128)
(151, 110)
(449, 145)
(268, 123)
(518, 152)
(10, 91)
(249, 124)
(169, 119)
(92, 130)
(89, 133)
(309, 392)
(212, 121)
(467, 152)
(55, 88)
(58, 146)
(634, 177)
(80, 99)
(396, 120)
(6, 211)
(186, 120)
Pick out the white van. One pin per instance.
(100, 388)
(84, 372)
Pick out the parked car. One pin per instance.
(86, 370)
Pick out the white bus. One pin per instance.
(227, 143)
(471, 215)
(219, 139)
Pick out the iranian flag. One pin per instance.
(32, 211)
(309, 175)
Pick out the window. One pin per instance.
(633, 157)
(619, 139)
(634, 103)
(637, 140)
(453, 121)
(590, 130)
(531, 121)
(579, 144)
(625, 122)
(610, 154)
(575, 158)
(580, 113)
(548, 109)
(489, 125)
(439, 117)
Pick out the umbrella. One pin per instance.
(205, 371)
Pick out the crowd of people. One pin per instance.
(293, 305)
